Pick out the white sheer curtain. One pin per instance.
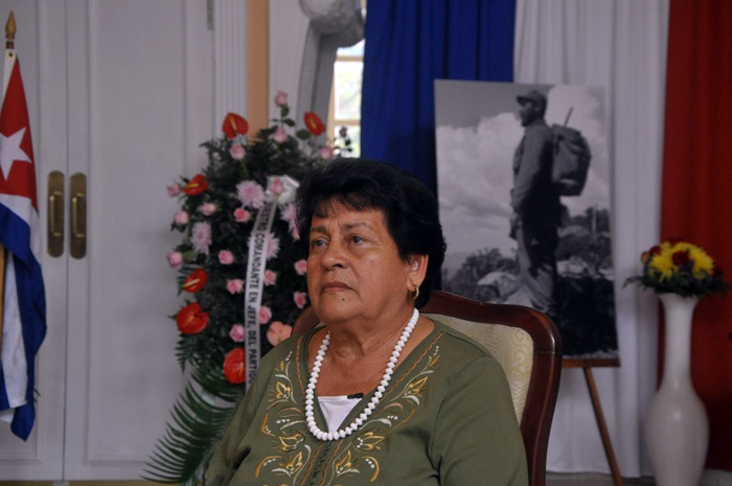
(621, 45)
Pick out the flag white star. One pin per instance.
(11, 152)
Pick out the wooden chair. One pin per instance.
(528, 346)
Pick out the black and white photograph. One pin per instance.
(524, 191)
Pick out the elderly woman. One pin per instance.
(377, 394)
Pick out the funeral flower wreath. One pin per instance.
(221, 218)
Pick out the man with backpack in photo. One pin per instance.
(536, 206)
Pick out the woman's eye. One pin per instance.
(357, 239)
(317, 243)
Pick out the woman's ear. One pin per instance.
(418, 268)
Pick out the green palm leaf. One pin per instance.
(198, 423)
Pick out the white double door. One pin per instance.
(121, 93)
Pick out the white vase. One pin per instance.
(677, 428)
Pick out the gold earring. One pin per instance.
(416, 292)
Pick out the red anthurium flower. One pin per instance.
(195, 281)
(314, 123)
(196, 186)
(234, 124)
(235, 366)
(192, 319)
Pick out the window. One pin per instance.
(345, 98)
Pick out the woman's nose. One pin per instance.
(334, 256)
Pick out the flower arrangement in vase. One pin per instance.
(676, 427)
(681, 268)
(219, 210)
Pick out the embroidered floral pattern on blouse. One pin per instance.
(356, 454)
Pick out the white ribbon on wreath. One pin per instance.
(256, 264)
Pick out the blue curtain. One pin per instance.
(409, 44)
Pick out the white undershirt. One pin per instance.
(336, 409)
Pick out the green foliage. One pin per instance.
(198, 424)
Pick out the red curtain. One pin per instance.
(697, 189)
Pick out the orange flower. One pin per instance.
(192, 319)
(234, 124)
(235, 366)
(196, 185)
(195, 281)
(314, 123)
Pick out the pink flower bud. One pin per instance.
(301, 267)
(278, 332)
(280, 135)
(241, 215)
(226, 257)
(265, 314)
(237, 333)
(277, 186)
(181, 218)
(175, 259)
(270, 277)
(235, 286)
(280, 98)
(325, 153)
(173, 190)
(300, 298)
(237, 152)
(207, 208)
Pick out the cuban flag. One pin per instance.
(24, 300)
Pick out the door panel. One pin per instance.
(120, 92)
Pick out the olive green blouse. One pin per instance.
(445, 419)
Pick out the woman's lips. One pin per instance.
(333, 287)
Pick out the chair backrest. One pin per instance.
(528, 346)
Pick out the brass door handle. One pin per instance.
(77, 243)
(55, 213)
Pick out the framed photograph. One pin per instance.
(524, 190)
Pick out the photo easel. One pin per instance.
(587, 365)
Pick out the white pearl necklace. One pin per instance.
(310, 392)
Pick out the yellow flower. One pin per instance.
(662, 264)
(703, 263)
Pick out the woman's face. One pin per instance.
(354, 269)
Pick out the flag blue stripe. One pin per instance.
(15, 234)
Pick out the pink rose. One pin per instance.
(235, 286)
(237, 152)
(277, 186)
(265, 314)
(241, 215)
(181, 218)
(300, 298)
(301, 267)
(226, 257)
(173, 190)
(201, 237)
(280, 98)
(326, 153)
(237, 333)
(270, 277)
(280, 135)
(207, 208)
(278, 332)
(175, 259)
(250, 194)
